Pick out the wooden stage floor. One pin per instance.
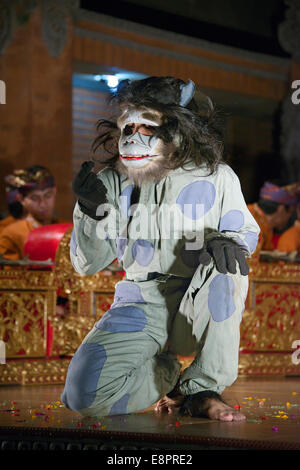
(32, 417)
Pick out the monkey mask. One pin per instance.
(143, 152)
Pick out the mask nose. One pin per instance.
(134, 138)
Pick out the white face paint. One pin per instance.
(136, 148)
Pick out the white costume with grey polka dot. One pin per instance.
(167, 305)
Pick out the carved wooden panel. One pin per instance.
(23, 322)
(103, 302)
(274, 323)
(69, 332)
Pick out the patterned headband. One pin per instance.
(23, 181)
(288, 195)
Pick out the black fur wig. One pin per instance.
(199, 127)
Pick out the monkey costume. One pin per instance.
(174, 215)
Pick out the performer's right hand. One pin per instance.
(90, 190)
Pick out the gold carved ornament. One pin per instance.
(89, 298)
(271, 321)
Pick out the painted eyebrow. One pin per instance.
(150, 116)
(122, 119)
(146, 115)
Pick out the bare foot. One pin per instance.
(168, 404)
(216, 409)
(210, 405)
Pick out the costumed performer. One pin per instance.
(186, 276)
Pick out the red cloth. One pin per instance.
(42, 242)
(275, 240)
(49, 339)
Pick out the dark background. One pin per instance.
(246, 24)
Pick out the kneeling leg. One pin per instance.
(119, 368)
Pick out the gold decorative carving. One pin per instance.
(53, 371)
(85, 303)
(34, 372)
(72, 282)
(103, 303)
(269, 326)
(267, 364)
(28, 306)
(27, 279)
(279, 271)
(23, 322)
(69, 332)
(273, 324)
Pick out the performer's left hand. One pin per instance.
(225, 252)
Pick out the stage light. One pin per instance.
(112, 81)
(97, 78)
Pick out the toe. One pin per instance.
(226, 416)
(238, 417)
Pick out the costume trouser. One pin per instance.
(128, 360)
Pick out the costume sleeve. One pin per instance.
(93, 245)
(236, 221)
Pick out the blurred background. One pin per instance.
(59, 61)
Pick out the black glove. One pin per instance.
(225, 253)
(90, 190)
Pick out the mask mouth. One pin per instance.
(136, 157)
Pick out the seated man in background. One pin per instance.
(272, 212)
(289, 241)
(33, 194)
(31, 201)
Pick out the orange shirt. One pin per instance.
(7, 221)
(266, 233)
(290, 239)
(13, 237)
